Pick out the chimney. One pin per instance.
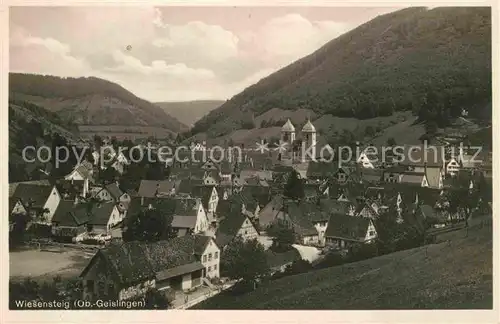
(76, 200)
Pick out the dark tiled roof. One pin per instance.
(202, 192)
(114, 191)
(134, 262)
(184, 221)
(69, 214)
(347, 227)
(69, 189)
(150, 188)
(35, 194)
(100, 213)
(231, 224)
(13, 186)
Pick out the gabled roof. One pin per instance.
(13, 186)
(202, 192)
(114, 191)
(37, 195)
(229, 227)
(303, 215)
(71, 215)
(418, 155)
(414, 178)
(347, 227)
(69, 189)
(100, 213)
(134, 262)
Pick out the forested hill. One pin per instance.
(434, 62)
(89, 101)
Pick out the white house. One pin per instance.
(452, 167)
(38, 199)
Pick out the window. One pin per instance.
(205, 258)
(215, 267)
(209, 269)
(216, 255)
(210, 257)
(371, 233)
(246, 232)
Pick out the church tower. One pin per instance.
(309, 140)
(288, 133)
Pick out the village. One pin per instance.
(171, 234)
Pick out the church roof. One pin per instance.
(288, 127)
(309, 127)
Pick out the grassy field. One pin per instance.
(455, 274)
(40, 265)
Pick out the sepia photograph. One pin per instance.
(249, 158)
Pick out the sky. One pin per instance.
(173, 53)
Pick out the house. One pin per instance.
(234, 225)
(269, 213)
(393, 174)
(345, 231)
(189, 216)
(342, 174)
(16, 206)
(247, 173)
(369, 158)
(40, 201)
(453, 166)
(370, 175)
(212, 178)
(83, 171)
(129, 270)
(318, 170)
(308, 220)
(70, 189)
(70, 220)
(153, 188)
(103, 217)
(112, 192)
(414, 178)
(209, 198)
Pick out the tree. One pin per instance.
(294, 187)
(244, 260)
(149, 225)
(283, 236)
(108, 175)
(391, 142)
(369, 131)
(155, 299)
(431, 127)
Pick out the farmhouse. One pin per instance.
(232, 226)
(344, 231)
(129, 270)
(40, 201)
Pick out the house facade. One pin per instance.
(129, 270)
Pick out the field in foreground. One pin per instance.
(449, 275)
(42, 265)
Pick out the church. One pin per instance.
(303, 150)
